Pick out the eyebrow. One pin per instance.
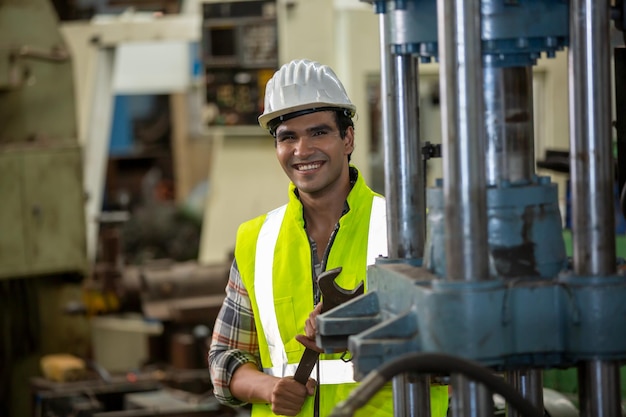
(315, 128)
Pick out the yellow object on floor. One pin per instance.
(62, 367)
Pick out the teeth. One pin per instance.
(308, 167)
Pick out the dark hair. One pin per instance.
(344, 121)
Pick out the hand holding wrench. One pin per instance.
(332, 296)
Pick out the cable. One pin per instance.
(432, 363)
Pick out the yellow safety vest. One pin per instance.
(274, 259)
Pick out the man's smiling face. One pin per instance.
(312, 152)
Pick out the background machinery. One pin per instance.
(482, 283)
(477, 279)
(117, 336)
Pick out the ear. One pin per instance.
(348, 141)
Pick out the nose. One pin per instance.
(303, 146)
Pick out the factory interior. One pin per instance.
(130, 152)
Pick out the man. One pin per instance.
(333, 219)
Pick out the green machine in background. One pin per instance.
(42, 222)
(42, 212)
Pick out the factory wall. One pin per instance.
(550, 79)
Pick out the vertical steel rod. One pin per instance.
(591, 160)
(592, 180)
(509, 125)
(404, 187)
(599, 389)
(391, 182)
(404, 172)
(418, 395)
(389, 135)
(469, 398)
(530, 384)
(461, 85)
(407, 162)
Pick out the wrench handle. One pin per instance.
(308, 361)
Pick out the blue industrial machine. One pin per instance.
(477, 279)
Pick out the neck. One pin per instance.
(326, 205)
(322, 211)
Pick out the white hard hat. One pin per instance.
(301, 86)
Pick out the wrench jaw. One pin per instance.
(334, 295)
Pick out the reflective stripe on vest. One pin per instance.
(331, 371)
(263, 284)
(377, 236)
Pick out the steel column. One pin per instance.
(461, 85)
(592, 179)
(509, 125)
(530, 384)
(469, 398)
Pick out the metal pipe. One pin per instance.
(529, 383)
(391, 179)
(400, 385)
(591, 161)
(418, 389)
(405, 186)
(411, 395)
(389, 134)
(592, 180)
(599, 389)
(508, 94)
(469, 398)
(461, 85)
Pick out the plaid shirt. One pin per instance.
(234, 340)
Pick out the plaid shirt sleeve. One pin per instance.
(234, 340)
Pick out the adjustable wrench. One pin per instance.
(333, 295)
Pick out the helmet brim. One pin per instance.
(266, 118)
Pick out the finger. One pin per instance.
(282, 411)
(286, 408)
(310, 328)
(308, 343)
(310, 325)
(311, 385)
(289, 388)
(318, 308)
